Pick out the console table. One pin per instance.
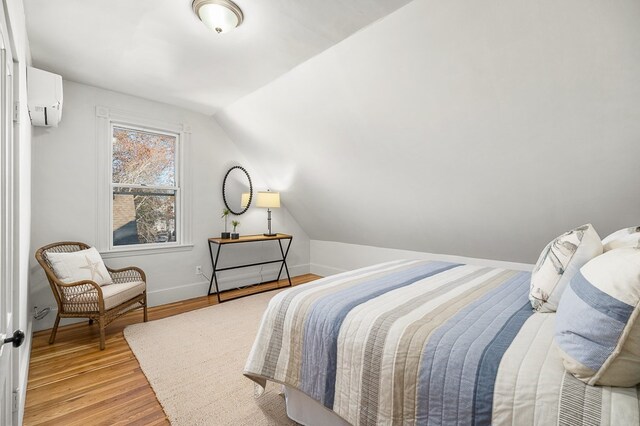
(219, 242)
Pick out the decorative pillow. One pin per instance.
(560, 260)
(627, 237)
(598, 320)
(80, 265)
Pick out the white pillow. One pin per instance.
(627, 237)
(560, 260)
(598, 321)
(80, 265)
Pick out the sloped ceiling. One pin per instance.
(473, 128)
(159, 50)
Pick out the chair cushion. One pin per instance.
(79, 265)
(560, 260)
(115, 294)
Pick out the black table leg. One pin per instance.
(214, 277)
(213, 266)
(284, 261)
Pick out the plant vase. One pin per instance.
(235, 235)
(225, 216)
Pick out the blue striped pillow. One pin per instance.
(597, 322)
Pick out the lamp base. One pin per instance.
(269, 235)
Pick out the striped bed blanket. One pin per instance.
(415, 342)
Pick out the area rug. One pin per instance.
(194, 363)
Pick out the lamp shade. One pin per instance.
(268, 199)
(245, 200)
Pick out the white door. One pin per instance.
(6, 231)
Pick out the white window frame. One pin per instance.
(106, 120)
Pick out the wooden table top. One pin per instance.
(250, 238)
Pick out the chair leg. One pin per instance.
(101, 321)
(145, 307)
(54, 330)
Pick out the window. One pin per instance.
(142, 185)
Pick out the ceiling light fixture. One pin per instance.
(218, 15)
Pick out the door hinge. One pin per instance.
(14, 405)
(16, 111)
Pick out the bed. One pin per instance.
(424, 342)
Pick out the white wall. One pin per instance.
(481, 129)
(64, 201)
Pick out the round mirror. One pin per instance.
(237, 190)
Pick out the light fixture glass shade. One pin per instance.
(268, 199)
(218, 15)
(244, 200)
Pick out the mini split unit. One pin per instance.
(44, 97)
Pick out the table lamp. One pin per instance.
(268, 200)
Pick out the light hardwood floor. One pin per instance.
(73, 382)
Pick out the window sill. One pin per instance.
(144, 251)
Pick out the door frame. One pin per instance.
(9, 234)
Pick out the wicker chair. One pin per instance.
(86, 299)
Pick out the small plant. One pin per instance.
(234, 234)
(225, 216)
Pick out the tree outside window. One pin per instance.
(145, 188)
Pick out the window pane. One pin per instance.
(143, 158)
(143, 216)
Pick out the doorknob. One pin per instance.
(16, 339)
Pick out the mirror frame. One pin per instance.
(224, 196)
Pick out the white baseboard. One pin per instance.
(47, 322)
(193, 290)
(186, 291)
(325, 270)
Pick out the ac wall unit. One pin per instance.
(44, 97)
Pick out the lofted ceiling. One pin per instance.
(158, 49)
(480, 129)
